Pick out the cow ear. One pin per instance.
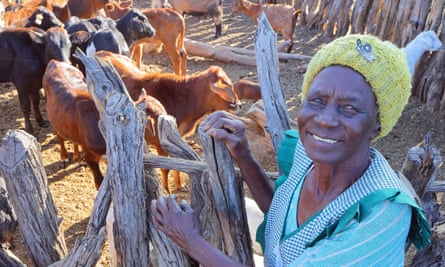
(223, 90)
(79, 37)
(222, 85)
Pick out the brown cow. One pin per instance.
(282, 18)
(86, 8)
(25, 53)
(74, 116)
(211, 8)
(15, 14)
(188, 98)
(62, 9)
(170, 33)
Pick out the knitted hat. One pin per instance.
(383, 65)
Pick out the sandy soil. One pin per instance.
(72, 187)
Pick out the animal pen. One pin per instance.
(130, 182)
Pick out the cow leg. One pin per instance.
(289, 46)
(217, 19)
(136, 54)
(177, 179)
(25, 105)
(93, 163)
(98, 178)
(183, 62)
(218, 30)
(63, 151)
(182, 56)
(35, 100)
(175, 58)
(76, 153)
(164, 179)
(164, 172)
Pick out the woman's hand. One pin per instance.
(178, 221)
(230, 129)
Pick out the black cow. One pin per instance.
(134, 25)
(24, 54)
(114, 36)
(43, 18)
(125, 31)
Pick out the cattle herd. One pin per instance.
(37, 44)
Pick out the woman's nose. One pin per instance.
(327, 117)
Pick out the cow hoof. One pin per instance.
(65, 163)
(30, 131)
(43, 123)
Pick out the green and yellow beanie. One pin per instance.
(382, 64)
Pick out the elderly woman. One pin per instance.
(338, 201)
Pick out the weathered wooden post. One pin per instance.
(123, 126)
(25, 177)
(222, 215)
(165, 252)
(268, 75)
(420, 168)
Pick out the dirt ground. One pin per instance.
(72, 187)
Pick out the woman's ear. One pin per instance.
(375, 130)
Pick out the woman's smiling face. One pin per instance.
(338, 117)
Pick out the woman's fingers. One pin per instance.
(163, 209)
(158, 208)
(172, 204)
(218, 119)
(185, 206)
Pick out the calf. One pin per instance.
(282, 18)
(188, 98)
(86, 8)
(116, 36)
(170, 33)
(126, 30)
(74, 116)
(198, 94)
(18, 14)
(25, 54)
(212, 8)
(42, 18)
(61, 10)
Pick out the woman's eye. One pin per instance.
(316, 100)
(350, 109)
